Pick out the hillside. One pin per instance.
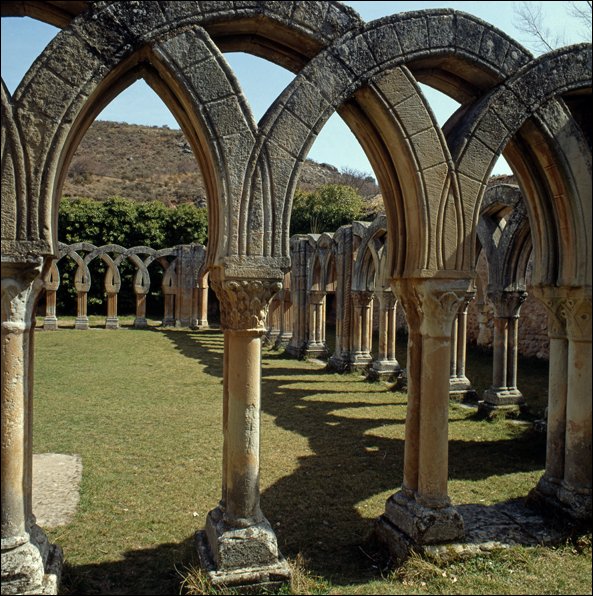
(156, 163)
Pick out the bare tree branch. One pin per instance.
(530, 20)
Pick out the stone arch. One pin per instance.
(210, 107)
(507, 249)
(355, 63)
(499, 116)
(368, 264)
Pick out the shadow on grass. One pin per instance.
(317, 510)
(144, 571)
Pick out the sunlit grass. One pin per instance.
(143, 408)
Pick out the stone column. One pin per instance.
(316, 347)
(285, 334)
(51, 284)
(82, 283)
(460, 386)
(504, 391)
(421, 512)
(29, 564)
(565, 486)
(274, 323)
(575, 490)
(548, 485)
(239, 545)
(141, 289)
(112, 286)
(201, 321)
(386, 365)
(298, 282)
(360, 356)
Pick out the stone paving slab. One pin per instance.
(56, 488)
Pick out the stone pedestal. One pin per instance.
(238, 545)
(30, 565)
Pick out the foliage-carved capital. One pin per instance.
(244, 303)
(431, 305)
(21, 284)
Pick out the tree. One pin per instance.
(531, 21)
(325, 209)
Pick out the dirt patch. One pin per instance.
(56, 488)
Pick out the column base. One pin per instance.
(140, 323)
(282, 341)
(423, 525)
(557, 498)
(50, 323)
(28, 570)
(384, 370)
(339, 363)
(360, 361)
(315, 351)
(111, 323)
(270, 338)
(460, 388)
(294, 350)
(81, 323)
(240, 556)
(200, 324)
(503, 396)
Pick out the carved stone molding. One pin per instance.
(244, 303)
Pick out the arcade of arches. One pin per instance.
(433, 180)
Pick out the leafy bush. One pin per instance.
(325, 209)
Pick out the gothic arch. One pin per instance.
(210, 108)
(559, 194)
(430, 207)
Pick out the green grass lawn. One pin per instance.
(143, 409)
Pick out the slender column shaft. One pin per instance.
(203, 306)
(13, 432)
(499, 347)
(461, 342)
(434, 442)
(557, 393)
(577, 462)
(392, 331)
(82, 319)
(513, 353)
(242, 436)
(383, 348)
(454, 337)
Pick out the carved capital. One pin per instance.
(576, 310)
(553, 299)
(387, 299)
(21, 284)
(316, 297)
(431, 305)
(244, 303)
(507, 303)
(362, 299)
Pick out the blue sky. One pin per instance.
(23, 39)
